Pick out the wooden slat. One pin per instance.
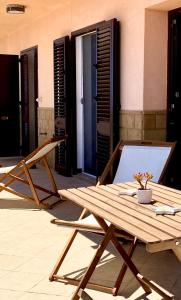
(165, 188)
(160, 230)
(173, 221)
(73, 195)
(163, 196)
(125, 213)
(157, 201)
(175, 244)
(144, 213)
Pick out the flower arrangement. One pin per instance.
(142, 179)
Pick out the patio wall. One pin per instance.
(143, 52)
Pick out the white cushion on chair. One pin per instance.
(141, 158)
(5, 170)
(43, 151)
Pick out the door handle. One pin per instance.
(4, 118)
(172, 107)
(82, 100)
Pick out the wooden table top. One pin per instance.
(159, 232)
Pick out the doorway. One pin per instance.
(29, 99)
(95, 58)
(86, 102)
(9, 105)
(174, 92)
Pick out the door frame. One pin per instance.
(80, 117)
(109, 128)
(25, 139)
(172, 127)
(74, 35)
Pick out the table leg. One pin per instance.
(144, 282)
(124, 268)
(93, 263)
(124, 255)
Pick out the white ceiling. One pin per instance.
(35, 9)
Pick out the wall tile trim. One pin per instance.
(150, 125)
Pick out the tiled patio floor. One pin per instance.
(30, 246)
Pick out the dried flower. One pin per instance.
(142, 179)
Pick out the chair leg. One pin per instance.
(62, 256)
(33, 190)
(11, 177)
(124, 255)
(82, 285)
(65, 251)
(50, 175)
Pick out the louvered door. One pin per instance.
(61, 103)
(107, 91)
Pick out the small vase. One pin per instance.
(144, 196)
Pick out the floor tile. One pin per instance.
(34, 296)
(30, 246)
(20, 281)
(10, 295)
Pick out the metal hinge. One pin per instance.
(96, 66)
(177, 94)
(172, 106)
(174, 22)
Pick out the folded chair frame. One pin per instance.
(21, 173)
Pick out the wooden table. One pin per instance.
(139, 220)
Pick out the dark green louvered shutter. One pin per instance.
(62, 103)
(108, 103)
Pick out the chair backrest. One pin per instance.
(43, 150)
(141, 156)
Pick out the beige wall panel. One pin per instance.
(155, 60)
(143, 81)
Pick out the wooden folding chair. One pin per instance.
(21, 173)
(128, 158)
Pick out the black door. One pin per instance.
(29, 103)
(9, 105)
(89, 107)
(174, 93)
